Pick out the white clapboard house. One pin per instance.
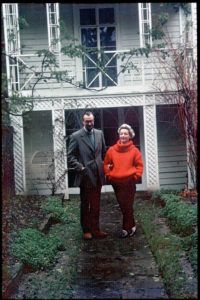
(117, 95)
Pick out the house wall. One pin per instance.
(172, 156)
(35, 37)
(135, 89)
(8, 182)
(66, 15)
(172, 28)
(163, 150)
(38, 141)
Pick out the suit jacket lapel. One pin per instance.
(85, 139)
(96, 138)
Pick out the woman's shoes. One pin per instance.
(126, 233)
(133, 230)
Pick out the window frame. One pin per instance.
(77, 33)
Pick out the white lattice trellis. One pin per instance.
(59, 149)
(151, 152)
(12, 44)
(92, 102)
(53, 26)
(194, 28)
(18, 142)
(145, 23)
(111, 101)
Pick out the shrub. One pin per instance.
(169, 198)
(159, 193)
(53, 205)
(168, 248)
(34, 248)
(158, 197)
(182, 216)
(190, 246)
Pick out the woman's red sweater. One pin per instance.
(125, 160)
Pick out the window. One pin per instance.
(98, 36)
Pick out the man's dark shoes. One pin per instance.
(99, 234)
(87, 236)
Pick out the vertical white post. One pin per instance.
(190, 183)
(151, 147)
(19, 155)
(141, 37)
(53, 27)
(181, 24)
(145, 25)
(6, 48)
(140, 23)
(59, 147)
(194, 28)
(12, 45)
(66, 196)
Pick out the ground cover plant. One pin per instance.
(34, 248)
(19, 212)
(54, 280)
(169, 247)
(48, 279)
(181, 216)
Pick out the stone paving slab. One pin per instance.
(140, 267)
(94, 293)
(142, 293)
(115, 268)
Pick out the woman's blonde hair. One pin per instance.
(128, 127)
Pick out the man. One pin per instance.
(85, 154)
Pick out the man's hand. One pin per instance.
(83, 169)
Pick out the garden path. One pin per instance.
(114, 268)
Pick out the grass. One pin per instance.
(168, 248)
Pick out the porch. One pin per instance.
(41, 142)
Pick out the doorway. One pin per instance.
(109, 120)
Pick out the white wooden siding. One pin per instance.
(172, 157)
(173, 26)
(129, 26)
(66, 15)
(35, 37)
(38, 152)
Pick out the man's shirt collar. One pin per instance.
(88, 131)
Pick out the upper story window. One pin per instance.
(98, 36)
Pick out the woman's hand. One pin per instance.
(110, 167)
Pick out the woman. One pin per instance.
(123, 167)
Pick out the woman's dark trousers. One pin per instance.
(125, 193)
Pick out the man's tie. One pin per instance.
(91, 138)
